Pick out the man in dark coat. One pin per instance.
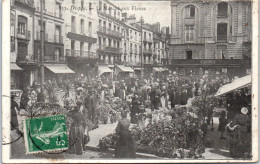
(14, 120)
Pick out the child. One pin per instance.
(222, 124)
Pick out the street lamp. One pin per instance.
(42, 47)
(142, 21)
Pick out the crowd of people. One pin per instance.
(154, 92)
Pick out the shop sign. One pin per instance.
(207, 62)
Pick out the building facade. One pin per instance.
(81, 35)
(210, 37)
(23, 65)
(53, 36)
(109, 31)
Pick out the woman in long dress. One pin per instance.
(240, 135)
(125, 146)
(77, 129)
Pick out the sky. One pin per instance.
(152, 11)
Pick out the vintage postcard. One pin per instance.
(90, 81)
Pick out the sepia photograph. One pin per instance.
(130, 81)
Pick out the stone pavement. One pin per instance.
(102, 131)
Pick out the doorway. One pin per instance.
(189, 55)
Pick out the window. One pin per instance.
(189, 33)
(90, 28)
(118, 15)
(104, 24)
(22, 25)
(43, 5)
(100, 22)
(189, 55)
(82, 3)
(190, 11)
(110, 10)
(73, 2)
(72, 45)
(114, 43)
(222, 32)
(58, 34)
(81, 48)
(90, 6)
(58, 10)
(104, 42)
(89, 47)
(221, 52)
(100, 5)
(131, 34)
(109, 26)
(109, 42)
(105, 7)
(73, 24)
(57, 54)
(114, 13)
(99, 42)
(223, 9)
(22, 50)
(82, 26)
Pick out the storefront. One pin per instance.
(212, 67)
(59, 72)
(122, 71)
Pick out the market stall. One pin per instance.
(238, 83)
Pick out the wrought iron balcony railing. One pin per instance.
(23, 34)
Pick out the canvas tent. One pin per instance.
(236, 84)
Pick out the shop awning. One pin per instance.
(157, 69)
(137, 69)
(236, 84)
(103, 69)
(124, 69)
(15, 67)
(59, 69)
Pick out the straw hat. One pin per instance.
(244, 110)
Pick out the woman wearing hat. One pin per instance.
(240, 135)
(125, 146)
(77, 129)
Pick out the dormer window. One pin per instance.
(190, 11)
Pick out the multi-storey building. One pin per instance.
(53, 36)
(210, 37)
(109, 31)
(81, 35)
(133, 56)
(23, 65)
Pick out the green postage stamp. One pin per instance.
(45, 134)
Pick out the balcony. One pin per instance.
(148, 51)
(82, 54)
(49, 38)
(58, 15)
(55, 58)
(221, 38)
(147, 40)
(23, 34)
(58, 39)
(110, 49)
(109, 31)
(28, 3)
(38, 36)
